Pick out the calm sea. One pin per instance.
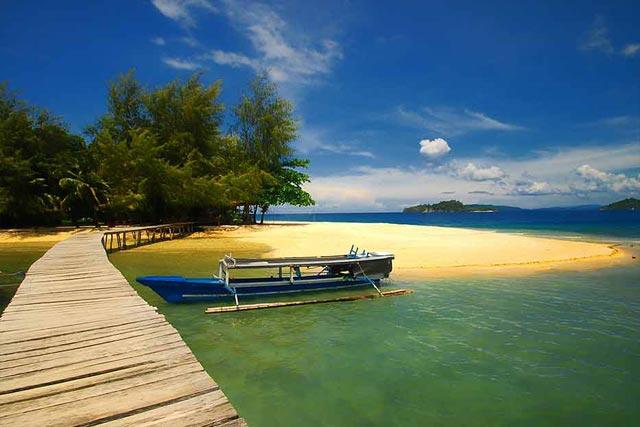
(559, 348)
(625, 224)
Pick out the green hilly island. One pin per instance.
(455, 206)
(630, 204)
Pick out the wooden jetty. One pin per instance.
(116, 238)
(79, 347)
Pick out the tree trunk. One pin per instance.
(263, 210)
(255, 214)
(246, 214)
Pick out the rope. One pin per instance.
(370, 281)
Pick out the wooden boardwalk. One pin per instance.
(79, 347)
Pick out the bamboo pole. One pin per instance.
(245, 307)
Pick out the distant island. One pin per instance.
(629, 204)
(455, 206)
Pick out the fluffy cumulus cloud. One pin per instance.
(434, 148)
(598, 180)
(475, 173)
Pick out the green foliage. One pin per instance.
(451, 206)
(630, 204)
(265, 128)
(155, 155)
(36, 150)
(84, 192)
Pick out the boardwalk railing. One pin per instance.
(116, 239)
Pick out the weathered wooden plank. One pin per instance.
(78, 346)
(184, 412)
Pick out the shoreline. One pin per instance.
(422, 251)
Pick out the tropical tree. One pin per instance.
(36, 149)
(266, 128)
(84, 191)
(157, 154)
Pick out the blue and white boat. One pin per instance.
(296, 274)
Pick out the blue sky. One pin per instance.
(522, 103)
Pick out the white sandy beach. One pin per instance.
(420, 251)
(429, 251)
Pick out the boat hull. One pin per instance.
(177, 289)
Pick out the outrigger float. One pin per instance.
(290, 275)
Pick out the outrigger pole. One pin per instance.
(231, 308)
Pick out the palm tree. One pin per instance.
(84, 189)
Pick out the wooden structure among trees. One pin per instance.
(80, 347)
(116, 239)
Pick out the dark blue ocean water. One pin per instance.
(622, 224)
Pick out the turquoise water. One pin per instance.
(624, 224)
(559, 348)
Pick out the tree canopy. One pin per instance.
(157, 154)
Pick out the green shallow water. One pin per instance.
(550, 349)
(15, 259)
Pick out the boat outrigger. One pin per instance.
(295, 274)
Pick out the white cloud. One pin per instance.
(598, 37)
(557, 165)
(181, 64)
(313, 140)
(158, 41)
(474, 173)
(190, 41)
(450, 122)
(434, 148)
(626, 122)
(233, 59)
(598, 180)
(631, 49)
(534, 188)
(181, 10)
(287, 56)
(345, 149)
(335, 196)
(546, 179)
